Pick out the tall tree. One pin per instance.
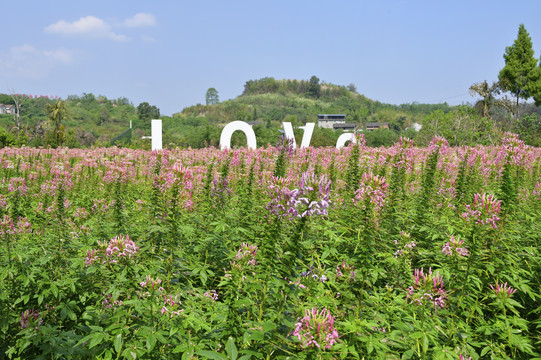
(537, 95)
(488, 93)
(18, 100)
(520, 75)
(56, 113)
(145, 111)
(314, 89)
(212, 97)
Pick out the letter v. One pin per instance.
(306, 136)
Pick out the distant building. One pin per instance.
(371, 126)
(327, 121)
(334, 121)
(7, 109)
(344, 127)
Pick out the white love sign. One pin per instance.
(229, 129)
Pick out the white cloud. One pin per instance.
(90, 26)
(60, 55)
(28, 62)
(140, 20)
(147, 39)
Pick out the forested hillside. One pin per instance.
(89, 120)
(268, 102)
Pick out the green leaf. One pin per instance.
(353, 352)
(408, 354)
(211, 355)
(96, 339)
(71, 314)
(425, 344)
(231, 349)
(161, 338)
(129, 354)
(254, 335)
(370, 346)
(118, 342)
(203, 277)
(485, 350)
(54, 290)
(151, 341)
(108, 355)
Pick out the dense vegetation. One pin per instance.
(266, 103)
(389, 253)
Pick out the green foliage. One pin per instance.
(6, 139)
(211, 97)
(520, 75)
(314, 88)
(56, 113)
(529, 129)
(381, 137)
(147, 112)
(461, 126)
(87, 119)
(214, 273)
(266, 103)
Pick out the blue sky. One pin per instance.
(169, 53)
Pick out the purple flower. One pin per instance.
(484, 210)
(91, 257)
(310, 198)
(17, 186)
(455, 246)
(149, 281)
(502, 290)
(316, 329)
(120, 247)
(372, 190)
(245, 257)
(212, 294)
(285, 145)
(346, 271)
(111, 304)
(30, 317)
(439, 143)
(427, 288)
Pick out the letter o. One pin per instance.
(342, 139)
(229, 129)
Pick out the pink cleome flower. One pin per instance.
(29, 317)
(120, 247)
(245, 256)
(455, 246)
(427, 288)
(316, 329)
(484, 210)
(502, 290)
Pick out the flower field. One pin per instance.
(275, 253)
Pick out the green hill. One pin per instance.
(89, 120)
(265, 103)
(268, 99)
(268, 102)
